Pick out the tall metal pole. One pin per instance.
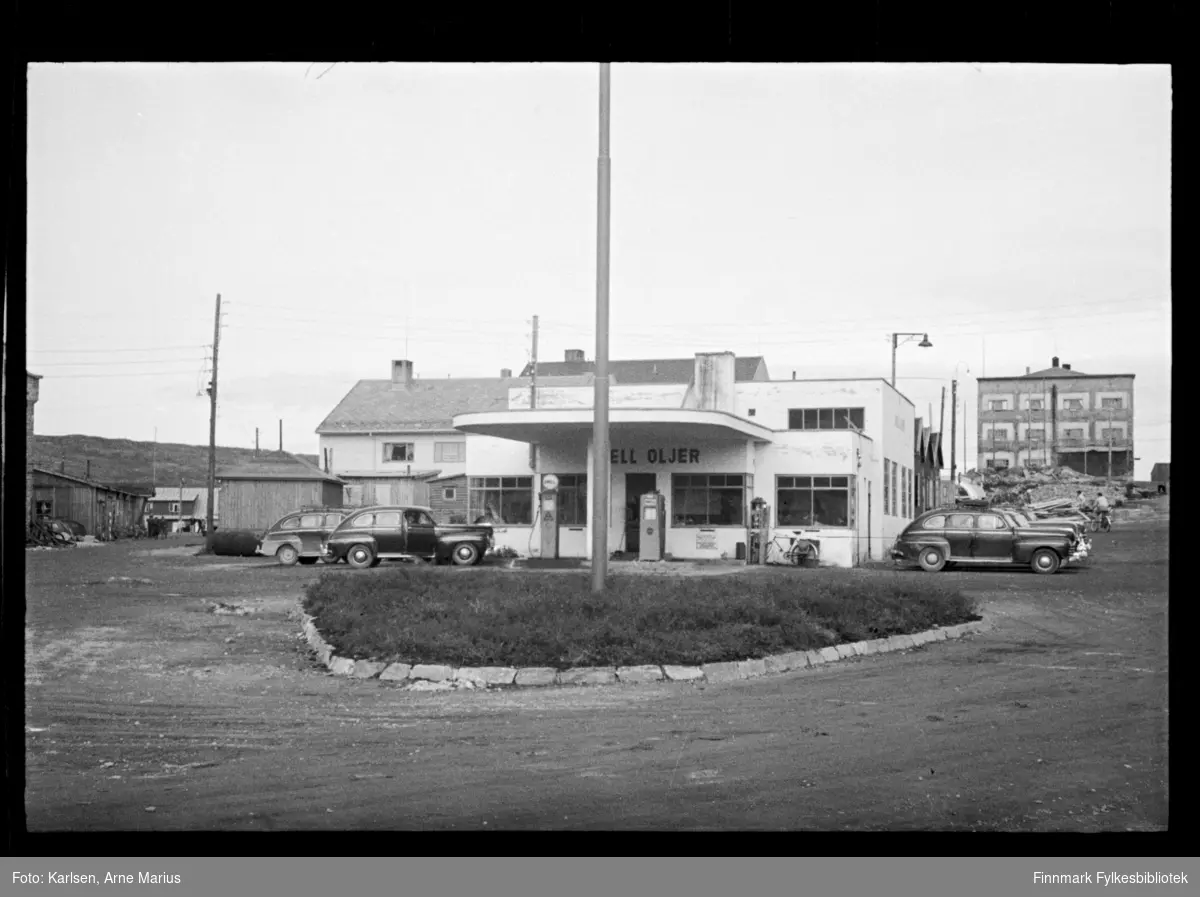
(212, 427)
(533, 379)
(953, 431)
(895, 345)
(600, 465)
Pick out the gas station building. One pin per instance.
(832, 460)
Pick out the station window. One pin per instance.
(812, 501)
(572, 499)
(708, 499)
(826, 419)
(501, 500)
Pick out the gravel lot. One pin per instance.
(145, 710)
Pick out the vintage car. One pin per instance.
(1065, 524)
(297, 537)
(984, 539)
(394, 532)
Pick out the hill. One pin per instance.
(124, 462)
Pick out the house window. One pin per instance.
(1076, 433)
(708, 499)
(572, 499)
(812, 501)
(998, 404)
(1000, 433)
(173, 508)
(997, 463)
(398, 451)
(501, 499)
(751, 413)
(44, 508)
(1113, 433)
(1111, 403)
(1073, 404)
(825, 419)
(449, 452)
(449, 494)
(1036, 405)
(887, 485)
(1036, 434)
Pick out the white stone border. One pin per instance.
(439, 677)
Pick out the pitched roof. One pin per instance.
(423, 405)
(172, 493)
(640, 371)
(125, 490)
(276, 466)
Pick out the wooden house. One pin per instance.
(257, 493)
(102, 510)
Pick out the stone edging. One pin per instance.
(440, 677)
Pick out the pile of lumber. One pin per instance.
(42, 535)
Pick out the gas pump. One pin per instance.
(760, 516)
(548, 510)
(652, 543)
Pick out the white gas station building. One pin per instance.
(833, 459)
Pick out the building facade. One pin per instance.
(1057, 417)
(183, 508)
(257, 493)
(102, 510)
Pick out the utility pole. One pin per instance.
(942, 427)
(953, 430)
(281, 435)
(256, 440)
(600, 456)
(154, 462)
(212, 429)
(1108, 479)
(965, 428)
(533, 379)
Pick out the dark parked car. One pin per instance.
(984, 539)
(1062, 524)
(377, 534)
(298, 536)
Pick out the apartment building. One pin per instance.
(1057, 417)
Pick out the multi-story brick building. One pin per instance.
(1057, 417)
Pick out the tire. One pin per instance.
(287, 555)
(1106, 526)
(465, 554)
(308, 562)
(360, 557)
(931, 559)
(1045, 561)
(1093, 525)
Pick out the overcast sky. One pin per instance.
(353, 215)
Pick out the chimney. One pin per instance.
(1066, 367)
(793, 375)
(505, 373)
(574, 355)
(1026, 370)
(1054, 362)
(714, 381)
(402, 374)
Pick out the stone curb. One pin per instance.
(440, 677)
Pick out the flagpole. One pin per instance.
(600, 441)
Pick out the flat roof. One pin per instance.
(684, 423)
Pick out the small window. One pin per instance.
(387, 518)
(935, 522)
(997, 463)
(290, 523)
(450, 494)
(398, 451)
(998, 404)
(1076, 433)
(1111, 403)
(960, 521)
(1073, 404)
(858, 418)
(1037, 434)
(1036, 405)
(310, 521)
(990, 521)
(449, 452)
(810, 419)
(174, 507)
(44, 508)
(751, 413)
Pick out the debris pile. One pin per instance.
(1022, 487)
(48, 534)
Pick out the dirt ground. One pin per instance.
(145, 710)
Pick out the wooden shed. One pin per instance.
(257, 493)
(103, 510)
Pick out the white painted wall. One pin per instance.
(630, 396)
(364, 452)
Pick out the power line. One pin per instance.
(186, 373)
(107, 351)
(73, 364)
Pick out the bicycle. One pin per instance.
(1100, 522)
(791, 550)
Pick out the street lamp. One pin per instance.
(908, 337)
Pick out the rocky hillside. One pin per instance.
(124, 462)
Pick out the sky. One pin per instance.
(353, 214)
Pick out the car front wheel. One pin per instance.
(360, 557)
(1044, 561)
(932, 560)
(466, 554)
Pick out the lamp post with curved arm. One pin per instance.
(897, 342)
